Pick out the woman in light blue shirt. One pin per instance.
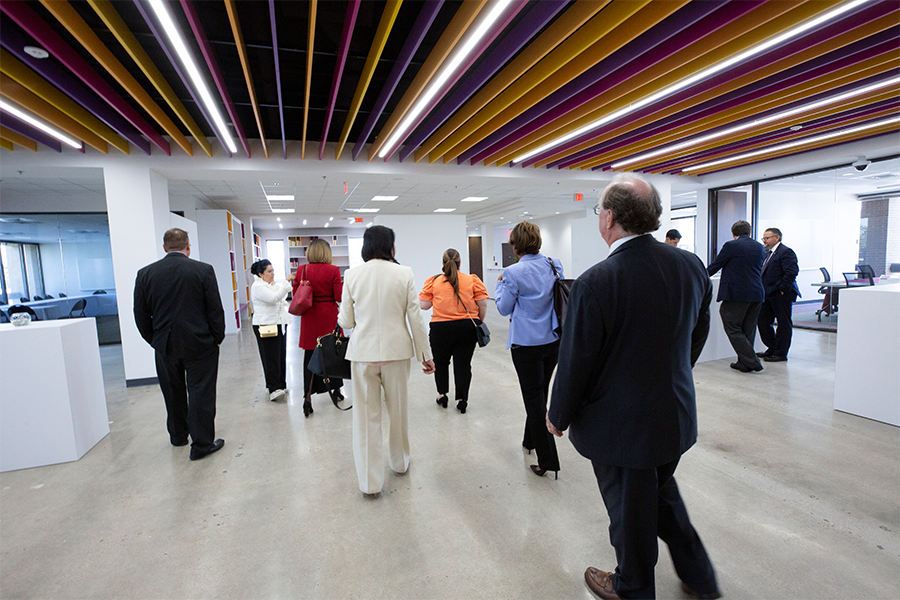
(524, 291)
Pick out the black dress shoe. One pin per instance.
(707, 596)
(739, 367)
(775, 359)
(541, 472)
(198, 454)
(764, 354)
(178, 442)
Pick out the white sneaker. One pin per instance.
(276, 395)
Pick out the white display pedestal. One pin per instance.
(53, 404)
(717, 344)
(867, 367)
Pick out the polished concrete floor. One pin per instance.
(792, 499)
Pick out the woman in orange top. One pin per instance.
(460, 302)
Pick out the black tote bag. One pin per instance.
(328, 359)
(561, 289)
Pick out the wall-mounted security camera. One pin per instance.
(861, 164)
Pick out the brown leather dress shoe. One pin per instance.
(600, 583)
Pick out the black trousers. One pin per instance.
(456, 340)
(273, 354)
(739, 322)
(643, 504)
(189, 388)
(776, 307)
(534, 366)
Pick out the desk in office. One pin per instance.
(54, 308)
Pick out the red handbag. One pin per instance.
(303, 296)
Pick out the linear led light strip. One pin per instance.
(688, 81)
(776, 117)
(187, 59)
(447, 72)
(42, 126)
(789, 145)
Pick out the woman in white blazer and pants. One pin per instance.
(378, 299)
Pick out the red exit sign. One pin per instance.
(357, 220)
(579, 197)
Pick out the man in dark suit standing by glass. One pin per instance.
(741, 293)
(779, 277)
(178, 310)
(636, 324)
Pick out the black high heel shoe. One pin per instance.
(541, 472)
(527, 449)
(442, 400)
(307, 408)
(339, 396)
(461, 406)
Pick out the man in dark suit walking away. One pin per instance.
(741, 293)
(636, 323)
(178, 311)
(779, 278)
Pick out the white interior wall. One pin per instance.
(422, 239)
(556, 239)
(138, 205)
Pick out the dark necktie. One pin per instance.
(768, 256)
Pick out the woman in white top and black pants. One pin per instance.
(267, 298)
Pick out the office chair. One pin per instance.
(22, 309)
(23, 299)
(37, 298)
(79, 306)
(61, 295)
(866, 271)
(99, 292)
(830, 300)
(857, 279)
(49, 297)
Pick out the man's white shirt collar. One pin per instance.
(621, 241)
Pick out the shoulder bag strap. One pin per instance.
(552, 266)
(467, 310)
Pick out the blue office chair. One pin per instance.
(79, 306)
(61, 295)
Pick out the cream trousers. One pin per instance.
(371, 383)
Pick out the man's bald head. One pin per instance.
(634, 204)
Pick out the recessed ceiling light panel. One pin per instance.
(384, 198)
(474, 199)
(444, 210)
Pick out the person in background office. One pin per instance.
(741, 293)
(178, 311)
(267, 298)
(325, 279)
(524, 292)
(457, 299)
(379, 300)
(673, 236)
(779, 278)
(636, 324)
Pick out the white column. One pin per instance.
(665, 196)
(137, 200)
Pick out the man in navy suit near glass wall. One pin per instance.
(741, 293)
(779, 277)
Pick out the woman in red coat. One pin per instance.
(325, 279)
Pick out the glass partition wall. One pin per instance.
(840, 220)
(54, 255)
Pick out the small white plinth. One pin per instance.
(867, 368)
(53, 405)
(717, 344)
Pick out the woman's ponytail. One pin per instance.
(451, 268)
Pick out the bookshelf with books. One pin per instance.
(221, 245)
(340, 250)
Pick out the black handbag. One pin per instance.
(561, 289)
(482, 333)
(328, 359)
